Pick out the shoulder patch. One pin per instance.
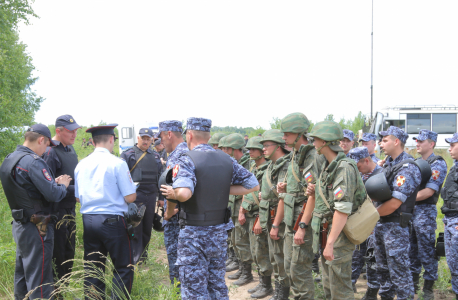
(128, 174)
(436, 174)
(308, 177)
(175, 170)
(400, 180)
(338, 193)
(46, 174)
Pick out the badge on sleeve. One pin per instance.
(400, 180)
(47, 176)
(175, 170)
(436, 174)
(308, 177)
(128, 174)
(338, 193)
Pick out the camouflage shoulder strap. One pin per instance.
(271, 187)
(295, 175)
(252, 193)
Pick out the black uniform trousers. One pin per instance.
(33, 261)
(143, 230)
(107, 234)
(64, 242)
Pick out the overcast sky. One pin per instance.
(239, 63)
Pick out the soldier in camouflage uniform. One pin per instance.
(347, 142)
(272, 206)
(214, 140)
(339, 192)
(203, 179)
(450, 210)
(423, 225)
(250, 210)
(298, 245)
(392, 231)
(240, 238)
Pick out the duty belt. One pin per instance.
(451, 204)
(395, 219)
(112, 220)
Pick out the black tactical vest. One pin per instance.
(68, 161)
(17, 196)
(208, 204)
(450, 192)
(409, 204)
(433, 199)
(146, 171)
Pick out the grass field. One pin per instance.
(151, 279)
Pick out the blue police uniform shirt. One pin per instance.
(439, 171)
(374, 158)
(101, 182)
(406, 180)
(172, 160)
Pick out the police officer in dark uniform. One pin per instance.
(62, 159)
(30, 189)
(104, 188)
(203, 178)
(145, 167)
(160, 148)
(450, 210)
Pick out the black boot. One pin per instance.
(237, 274)
(315, 265)
(353, 285)
(256, 288)
(283, 293)
(371, 294)
(265, 289)
(416, 281)
(428, 293)
(246, 276)
(276, 291)
(234, 265)
(230, 256)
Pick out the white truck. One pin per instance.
(128, 134)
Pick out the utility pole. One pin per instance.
(372, 61)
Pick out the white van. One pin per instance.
(438, 118)
(128, 134)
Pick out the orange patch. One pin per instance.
(400, 180)
(175, 170)
(436, 174)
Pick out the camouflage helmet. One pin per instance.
(215, 138)
(296, 123)
(234, 141)
(254, 143)
(274, 135)
(328, 131)
(221, 142)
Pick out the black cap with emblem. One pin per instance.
(43, 130)
(102, 129)
(67, 122)
(146, 131)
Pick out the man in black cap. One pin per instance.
(62, 159)
(145, 167)
(161, 150)
(104, 188)
(30, 189)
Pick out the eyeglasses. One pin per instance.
(115, 137)
(268, 145)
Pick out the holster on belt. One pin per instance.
(324, 235)
(41, 221)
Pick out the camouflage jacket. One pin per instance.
(234, 202)
(249, 203)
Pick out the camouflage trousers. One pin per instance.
(276, 255)
(298, 261)
(201, 261)
(393, 263)
(373, 280)
(259, 247)
(423, 241)
(451, 247)
(337, 273)
(241, 240)
(357, 261)
(171, 232)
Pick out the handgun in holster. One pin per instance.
(130, 231)
(182, 219)
(405, 219)
(41, 221)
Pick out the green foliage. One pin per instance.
(355, 124)
(275, 123)
(18, 103)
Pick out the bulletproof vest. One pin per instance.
(409, 204)
(68, 160)
(450, 192)
(17, 196)
(146, 171)
(433, 199)
(208, 204)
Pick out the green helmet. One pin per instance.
(274, 135)
(215, 138)
(221, 142)
(328, 131)
(254, 143)
(234, 141)
(296, 123)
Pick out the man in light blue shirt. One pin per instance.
(104, 188)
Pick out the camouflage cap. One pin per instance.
(234, 141)
(199, 124)
(170, 125)
(397, 132)
(453, 139)
(274, 135)
(358, 153)
(348, 134)
(214, 140)
(426, 134)
(367, 137)
(327, 131)
(254, 143)
(296, 123)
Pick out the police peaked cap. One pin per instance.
(102, 130)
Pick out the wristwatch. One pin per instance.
(275, 227)
(302, 225)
